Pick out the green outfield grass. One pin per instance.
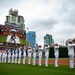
(20, 69)
(3, 38)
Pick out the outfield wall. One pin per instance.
(63, 52)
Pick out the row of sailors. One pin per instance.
(18, 53)
(12, 54)
(71, 46)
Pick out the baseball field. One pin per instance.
(20, 69)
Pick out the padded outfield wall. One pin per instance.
(63, 52)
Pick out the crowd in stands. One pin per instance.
(7, 29)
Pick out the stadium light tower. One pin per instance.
(62, 42)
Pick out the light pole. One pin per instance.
(62, 42)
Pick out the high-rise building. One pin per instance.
(48, 39)
(14, 20)
(31, 38)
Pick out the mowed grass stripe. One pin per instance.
(16, 69)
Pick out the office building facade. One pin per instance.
(14, 20)
(48, 39)
(31, 38)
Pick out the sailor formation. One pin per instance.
(18, 55)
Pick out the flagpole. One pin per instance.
(26, 35)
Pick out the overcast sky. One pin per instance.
(54, 17)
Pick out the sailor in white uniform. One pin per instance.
(16, 55)
(9, 55)
(29, 55)
(24, 55)
(0, 56)
(34, 55)
(40, 54)
(12, 56)
(3, 57)
(13, 38)
(19, 55)
(46, 55)
(56, 54)
(71, 53)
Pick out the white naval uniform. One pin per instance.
(12, 56)
(34, 56)
(56, 54)
(0, 56)
(16, 38)
(46, 55)
(40, 55)
(3, 57)
(9, 56)
(29, 55)
(71, 54)
(24, 56)
(16, 54)
(19, 55)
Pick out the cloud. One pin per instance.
(47, 23)
(9, 3)
(67, 11)
(55, 17)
